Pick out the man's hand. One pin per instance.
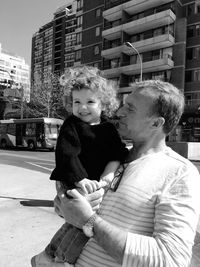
(79, 209)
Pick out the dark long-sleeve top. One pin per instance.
(83, 150)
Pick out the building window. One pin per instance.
(196, 52)
(190, 9)
(114, 63)
(78, 38)
(78, 55)
(98, 12)
(96, 50)
(188, 76)
(197, 75)
(97, 31)
(197, 7)
(198, 30)
(79, 4)
(79, 21)
(96, 65)
(193, 30)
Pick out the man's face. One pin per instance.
(135, 119)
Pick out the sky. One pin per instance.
(20, 19)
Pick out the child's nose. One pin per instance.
(83, 106)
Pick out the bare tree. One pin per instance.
(46, 97)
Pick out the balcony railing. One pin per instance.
(109, 25)
(128, 63)
(111, 3)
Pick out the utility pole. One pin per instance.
(22, 102)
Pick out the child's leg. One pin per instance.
(68, 242)
(57, 239)
(71, 245)
(42, 260)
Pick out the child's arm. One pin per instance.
(88, 186)
(109, 173)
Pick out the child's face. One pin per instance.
(86, 106)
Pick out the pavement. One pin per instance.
(28, 220)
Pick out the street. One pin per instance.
(42, 161)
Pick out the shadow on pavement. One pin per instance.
(32, 202)
(37, 203)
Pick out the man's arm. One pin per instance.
(110, 238)
(77, 212)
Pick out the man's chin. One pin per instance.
(122, 133)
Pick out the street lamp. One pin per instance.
(131, 46)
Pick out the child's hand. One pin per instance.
(106, 180)
(88, 186)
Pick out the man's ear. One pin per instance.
(158, 122)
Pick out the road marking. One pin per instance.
(37, 165)
(30, 157)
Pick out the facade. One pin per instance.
(165, 40)
(165, 36)
(91, 31)
(53, 44)
(152, 28)
(14, 80)
(73, 37)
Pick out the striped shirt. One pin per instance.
(157, 203)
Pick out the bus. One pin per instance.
(33, 133)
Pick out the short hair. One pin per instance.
(168, 101)
(88, 77)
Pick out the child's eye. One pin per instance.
(76, 102)
(91, 102)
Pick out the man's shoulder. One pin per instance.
(178, 159)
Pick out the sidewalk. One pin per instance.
(28, 220)
(25, 230)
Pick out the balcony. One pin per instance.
(114, 11)
(152, 65)
(147, 23)
(113, 52)
(140, 25)
(157, 42)
(137, 6)
(112, 33)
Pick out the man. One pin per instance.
(150, 214)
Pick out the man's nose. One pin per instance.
(120, 112)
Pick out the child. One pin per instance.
(88, 150)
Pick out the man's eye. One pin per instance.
(76, 102)
(91, 102)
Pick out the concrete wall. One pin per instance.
(189, 150)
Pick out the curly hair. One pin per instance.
(87, 77)
(168, 101)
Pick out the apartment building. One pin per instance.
(164, 36)
(164, 43)
(53, 44)
(14, 81)
(73, 37)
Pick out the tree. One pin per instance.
(46, 97)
